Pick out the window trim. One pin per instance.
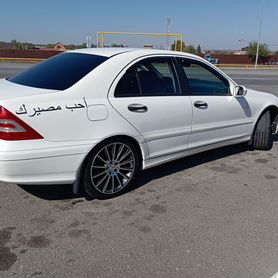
(184, 81)
(170, 60)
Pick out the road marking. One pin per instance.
(255, 78)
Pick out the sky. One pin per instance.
(214, 24)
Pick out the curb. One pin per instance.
(247, 66)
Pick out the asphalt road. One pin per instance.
(261, 80)
(209, 215)
(10, 69)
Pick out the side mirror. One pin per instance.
(240, 91)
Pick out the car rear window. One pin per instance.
(59, 72)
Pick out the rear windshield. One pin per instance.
(59, 72)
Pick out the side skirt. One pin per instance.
(170, 157)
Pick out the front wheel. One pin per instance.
(111, 169)
(262, 137)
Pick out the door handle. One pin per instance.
(201, 104)
(138, 108)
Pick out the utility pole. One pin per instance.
(169, 27)
(259, 37)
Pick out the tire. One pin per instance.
(262, 136)
(111, 169)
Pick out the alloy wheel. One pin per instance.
(112, 168)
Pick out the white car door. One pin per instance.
(218, 116)
(148, 95)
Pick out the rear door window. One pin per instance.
(149, 77)
(59, 72)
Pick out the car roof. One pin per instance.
(112, 51)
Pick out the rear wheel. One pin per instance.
(262, 137)
(111, 169)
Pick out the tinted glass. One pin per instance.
(202, 81)
(149, 77)
(156, 77)
(59, 72)
(128, 85)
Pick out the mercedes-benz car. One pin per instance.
(95, 117)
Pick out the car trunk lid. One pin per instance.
(10, 90)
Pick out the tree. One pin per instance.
(199, 50)
(182, 47)
(117, 45)
(263, 51)
(83, 45)
(50, 45)
(190, 49)
(14, 44)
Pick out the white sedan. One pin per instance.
(95, 117)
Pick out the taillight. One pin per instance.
(13, 128)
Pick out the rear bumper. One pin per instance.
(51, 165)
(51, 170)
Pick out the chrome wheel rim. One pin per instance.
(112, 168)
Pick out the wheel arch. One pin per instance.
(274, 117)
(273, 114)
(273, 109)
(77, 186)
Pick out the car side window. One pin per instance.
(149, 77)
(128, 85)
(202, 80)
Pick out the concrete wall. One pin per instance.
(44, 54)
(240, 59)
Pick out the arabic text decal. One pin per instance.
(37, 111)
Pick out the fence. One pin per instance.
(44, 54)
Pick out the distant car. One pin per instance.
(212, 60)
(95, 117)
